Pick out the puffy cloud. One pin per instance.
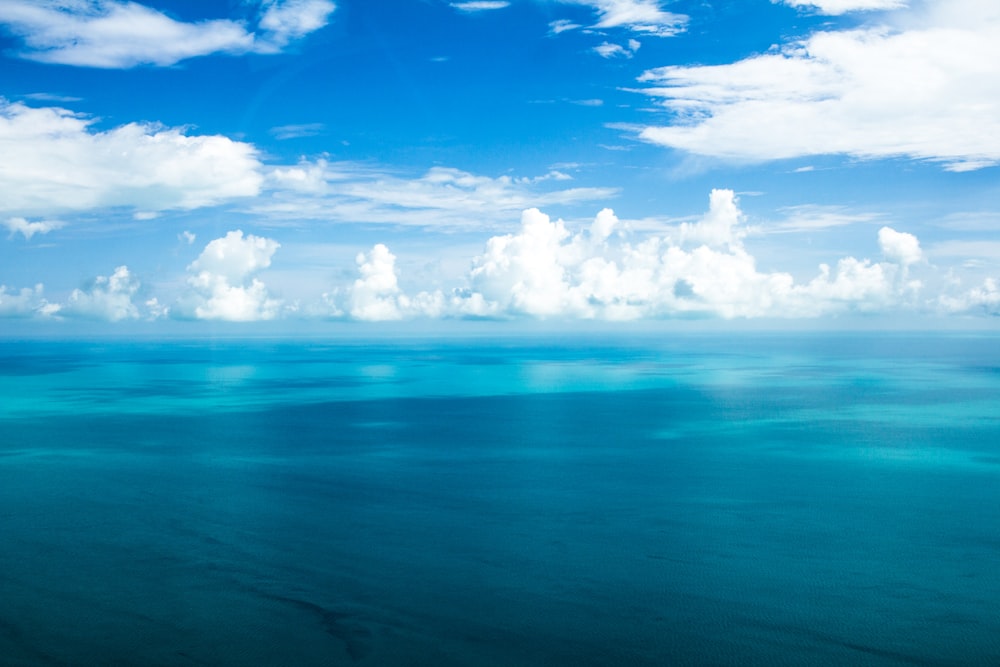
(29, 229)
(837, 7)
(899, 247)
(122, 34)
(983, 299)
(109, 298)
(285, 20)
(25, 302)
(223, 286)
(376, 295)
(645, 16)
(442, 197)
(927, 89)
(51, 161)
(699, 269)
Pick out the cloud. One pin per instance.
(480, 5)
(222, 284)
(983, 299)
(25, 302)
(837, 7)
(644, 16)
(562, 25)
(51, 161)
(29, 229)
(108, 298)
(699, 269)
(608, 50)
(285, 20)
(284, 132)
(442, 197)
(927, 89)
(117, 34)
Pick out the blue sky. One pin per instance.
(164, 165)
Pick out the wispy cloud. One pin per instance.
(117, 34)
(644, 16)
(837, 7)
(283, 132)
(927, 90)
(480, 5)
(609, 50)
(28, 229)
(442, 197)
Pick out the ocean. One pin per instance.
(751, 499)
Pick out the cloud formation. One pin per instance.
(837, 7)
(701, 269)
(117, 34)
(52, 161)
(474, 6)
(29, 229)
(108, 298)
(25, 302)
(926, 89)
(442, 197)
(643, 16)
(223, 284)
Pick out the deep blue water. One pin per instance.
(718, 500)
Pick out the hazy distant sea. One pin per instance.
(719, 500)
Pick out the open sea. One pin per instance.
(753, 499)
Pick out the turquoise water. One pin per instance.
(719, 500)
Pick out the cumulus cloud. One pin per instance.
(121, 34)
(644, 16)
(837, 7)
(51, 161)
(699, 269)
(25, 302)
(925, 87)
(29, 229)
(442, 197)
(108, 298)
(983, 299)
(223, 285)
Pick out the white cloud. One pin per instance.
(698, 269)
(982, 299)
(442, 197)
(29, 229)
(927, 89)
(25, 302)
(52, 161)
(480, 5)
(608, 50)
(284, 132)
(122, 34)
(837, 7)
(562, 25)
(645, 16)
(109, 298)
(223, 285)
(899, 247)
(286, 20)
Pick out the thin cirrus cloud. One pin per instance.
(837, 7)
(442, 197)
(474, 6)
(118, 34)
(52, 161)
(927, 89)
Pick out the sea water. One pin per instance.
(679, 500)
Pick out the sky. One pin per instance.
(288, 164)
